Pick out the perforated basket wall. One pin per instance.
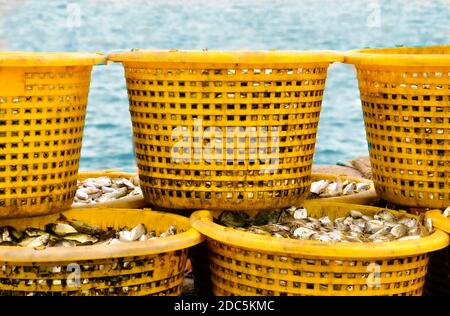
(43, 102)
(133, 276)
(236, 271)
(154, 267)
(247, 264)
(226, 130)
(406, 104)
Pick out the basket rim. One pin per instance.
(202, 221)
(400, 56)
(367, 196)
(50, 59)
(439, 220)
(187, 239)
(107, 172)
(227, 56)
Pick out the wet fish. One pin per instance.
(355, 227)
(319, 187)
(233, 219)
(266, 217)
(72, 233)
(300, 213)
(34, 232)
(9, 233)
(137, 232)
(36, 242)
(81, 238)
(399, 230)
(327, 188)
(105, 189)
(125, 235)
(349, 189)
(60, 229)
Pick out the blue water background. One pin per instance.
(101, 25)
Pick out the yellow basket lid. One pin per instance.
(41, 59)
(226, 57)
(401, 56)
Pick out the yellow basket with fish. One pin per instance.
(405, 100)
(360, 191)
(245, 263)
(438, 279)
(226, 130)
(132, 198)
(43, 99)
(150, 267)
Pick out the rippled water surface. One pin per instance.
(38, 25)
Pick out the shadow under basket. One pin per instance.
(438, 278)
(247, 264)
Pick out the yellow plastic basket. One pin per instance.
(243, 263)
(43, 98)
(405, 100)
(227, 130)
(154, 267)
(438, 279)
(364, 198)
(130, 202)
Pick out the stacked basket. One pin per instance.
(148, 267)
(405, 100)
(406, 104)
(243, 263)
(236, 131)
(223, 131)
(43, 99)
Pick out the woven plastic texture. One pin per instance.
(42, 112)
(243, 263)
(153, 267)
(225, 130)
(406, 104)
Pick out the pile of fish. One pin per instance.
(105, 189)
(327, 188)
(356, 227)
(71, 233)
